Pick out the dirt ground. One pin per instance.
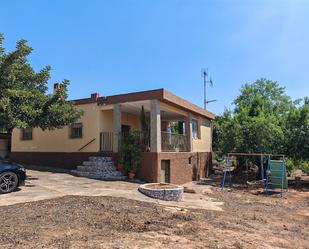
(248, 220)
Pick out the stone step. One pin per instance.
(95, 175)
(98, 163)
(99, 168)
(100, 159)
(96, 168)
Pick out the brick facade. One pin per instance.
(184, 166)
(181, 170)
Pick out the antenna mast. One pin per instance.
(206, 81)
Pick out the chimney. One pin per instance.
(95, 96)
(57, 86)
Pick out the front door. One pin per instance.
(165, 171)
(125, 128)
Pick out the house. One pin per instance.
(175, 157)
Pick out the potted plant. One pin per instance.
(131, 175)
(120, 166)
(132, 154)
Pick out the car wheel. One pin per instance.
(8, 182)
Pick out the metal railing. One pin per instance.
(174, 142)
(83, 147)
(169, 141)
(142, 136)
(106, 141)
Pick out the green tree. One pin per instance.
(255, 125)
(24, 101)
(296, 130)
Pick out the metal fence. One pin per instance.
(169, 141)
(106, 141)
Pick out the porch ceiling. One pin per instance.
(135, 108)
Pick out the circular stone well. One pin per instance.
(162, 191)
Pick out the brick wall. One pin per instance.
(149, 167)
(181, 171)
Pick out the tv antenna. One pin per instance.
(206, 81)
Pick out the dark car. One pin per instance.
(12, 176)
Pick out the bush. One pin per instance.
(131, 152)
(291, 165)
(304, 166)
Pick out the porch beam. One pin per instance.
(155, 126)
(116, 126)
(188, 131)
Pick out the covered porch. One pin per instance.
(160, 127)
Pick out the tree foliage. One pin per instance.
(296, 130)
(264, 120)
(24, 101)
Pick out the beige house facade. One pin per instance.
(186, 151)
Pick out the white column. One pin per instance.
(155, 126)
(189, 131)
(117, 126)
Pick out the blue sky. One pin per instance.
(114, 46)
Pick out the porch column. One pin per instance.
(117, 126)
(155, 126)
(189, 131)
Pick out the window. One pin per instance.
(26, 134)
(194, 129)
(77, 130)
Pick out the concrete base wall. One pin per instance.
(56, 159)
(184, 166)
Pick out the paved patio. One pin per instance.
(47, 185)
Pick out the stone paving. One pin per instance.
(47, 185)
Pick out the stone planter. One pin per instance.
(162, 191)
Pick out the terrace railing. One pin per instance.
(174, 142)
(107, 140)
(169, 141)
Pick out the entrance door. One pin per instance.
(165, 171)
(125, 128)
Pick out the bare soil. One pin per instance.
(249, 220)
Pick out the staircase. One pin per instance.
(99, 168)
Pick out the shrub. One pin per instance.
(291, 165)
(304, 166)
(131, 152)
